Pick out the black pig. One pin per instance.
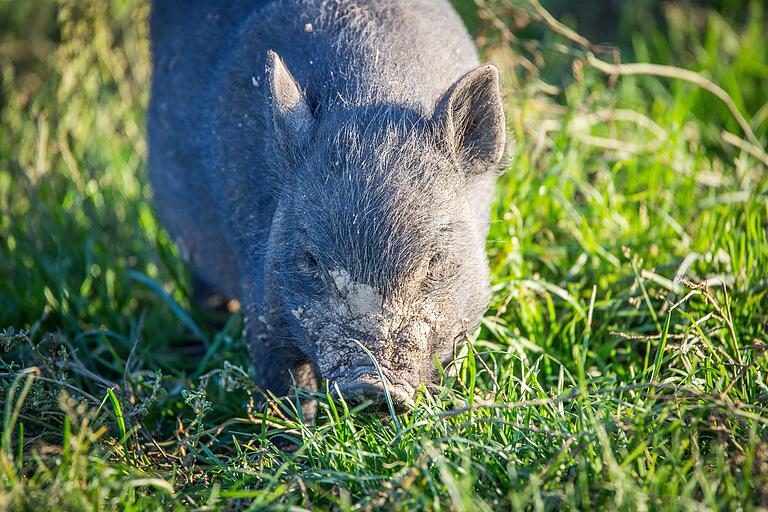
(331, 164)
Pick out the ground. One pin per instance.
(622, 362)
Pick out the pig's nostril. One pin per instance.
(360, 392)
(357, 393)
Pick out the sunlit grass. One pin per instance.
(622, 363)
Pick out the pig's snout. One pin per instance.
(384, 368)
(371, 388)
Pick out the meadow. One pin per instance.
(622, 363)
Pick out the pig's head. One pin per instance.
(378, 244)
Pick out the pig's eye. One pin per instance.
(310, 261)
(435, 267)
(308, 264)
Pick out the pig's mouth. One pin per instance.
(367, 385)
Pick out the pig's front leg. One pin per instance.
(279, 365)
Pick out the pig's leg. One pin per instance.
(278, 367)
(212, 303)
(205, 296)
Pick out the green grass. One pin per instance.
(622, 363)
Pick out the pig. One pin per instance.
(331, 164)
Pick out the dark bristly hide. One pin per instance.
(331, 165)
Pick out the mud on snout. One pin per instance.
(376, 371)
(368, 349)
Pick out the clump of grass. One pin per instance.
(622, 363)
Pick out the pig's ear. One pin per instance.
(291, 115)
(470, 120)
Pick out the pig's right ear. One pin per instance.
(291, 116)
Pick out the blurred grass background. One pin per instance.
(622, 364)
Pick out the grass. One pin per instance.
(622, 363)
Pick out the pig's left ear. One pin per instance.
(291, 117)
(470, 120)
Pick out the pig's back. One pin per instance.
(188, 40)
